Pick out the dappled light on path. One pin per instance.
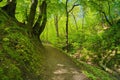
(62, 73)
(61, 67)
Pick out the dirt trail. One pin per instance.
(60, 67)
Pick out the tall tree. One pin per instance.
(56, 24)
(83, 17)
(67, 20)
(67, 16)
(41, 21)
(75, 20)
(33, 26)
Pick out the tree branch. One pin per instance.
(75, 20)
(32, 14)
(73, 7)
(109, 8)
(10, 8)
(37, 25)
(100, 10)
(42, 19)
(67, 20)
(44, 14)
(106, 18)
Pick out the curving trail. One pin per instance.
(60, 67)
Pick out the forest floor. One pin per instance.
(59, 66)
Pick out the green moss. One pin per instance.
(94, 73)
(9, 71)
(18, 58)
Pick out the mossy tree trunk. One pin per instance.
(67, 18)
(10, 8)
(34, 27)
(56, 24)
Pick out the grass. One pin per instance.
(93, 72)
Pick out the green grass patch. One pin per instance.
(93, 72)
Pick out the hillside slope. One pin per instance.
(19, 57)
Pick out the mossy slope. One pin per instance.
(18, 57)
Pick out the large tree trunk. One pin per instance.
(10, 8)
(40, 24)
(31, 16)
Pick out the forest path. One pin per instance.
(59, 66)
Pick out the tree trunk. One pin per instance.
(75, 20)
(83, 17)
(10, 8)
(41, 21)
(67, 16)
(109, 11)
(31, 16)
(56, 25)
(34, 28)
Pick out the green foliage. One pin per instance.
(94, 73)
(95, 41)
(18, 59)
(91, 76)
(3, 3)
(59, 8)
(9, 71)
(22, 10)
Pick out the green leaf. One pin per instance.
(3, 3)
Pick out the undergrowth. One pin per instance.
(19, 59)
(94, 73)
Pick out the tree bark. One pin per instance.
(10, 8)
(44, 15)
(41, 21)
(56, 25)
(31, 16)
(34, 28)
(109, 11)
(67, 16)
